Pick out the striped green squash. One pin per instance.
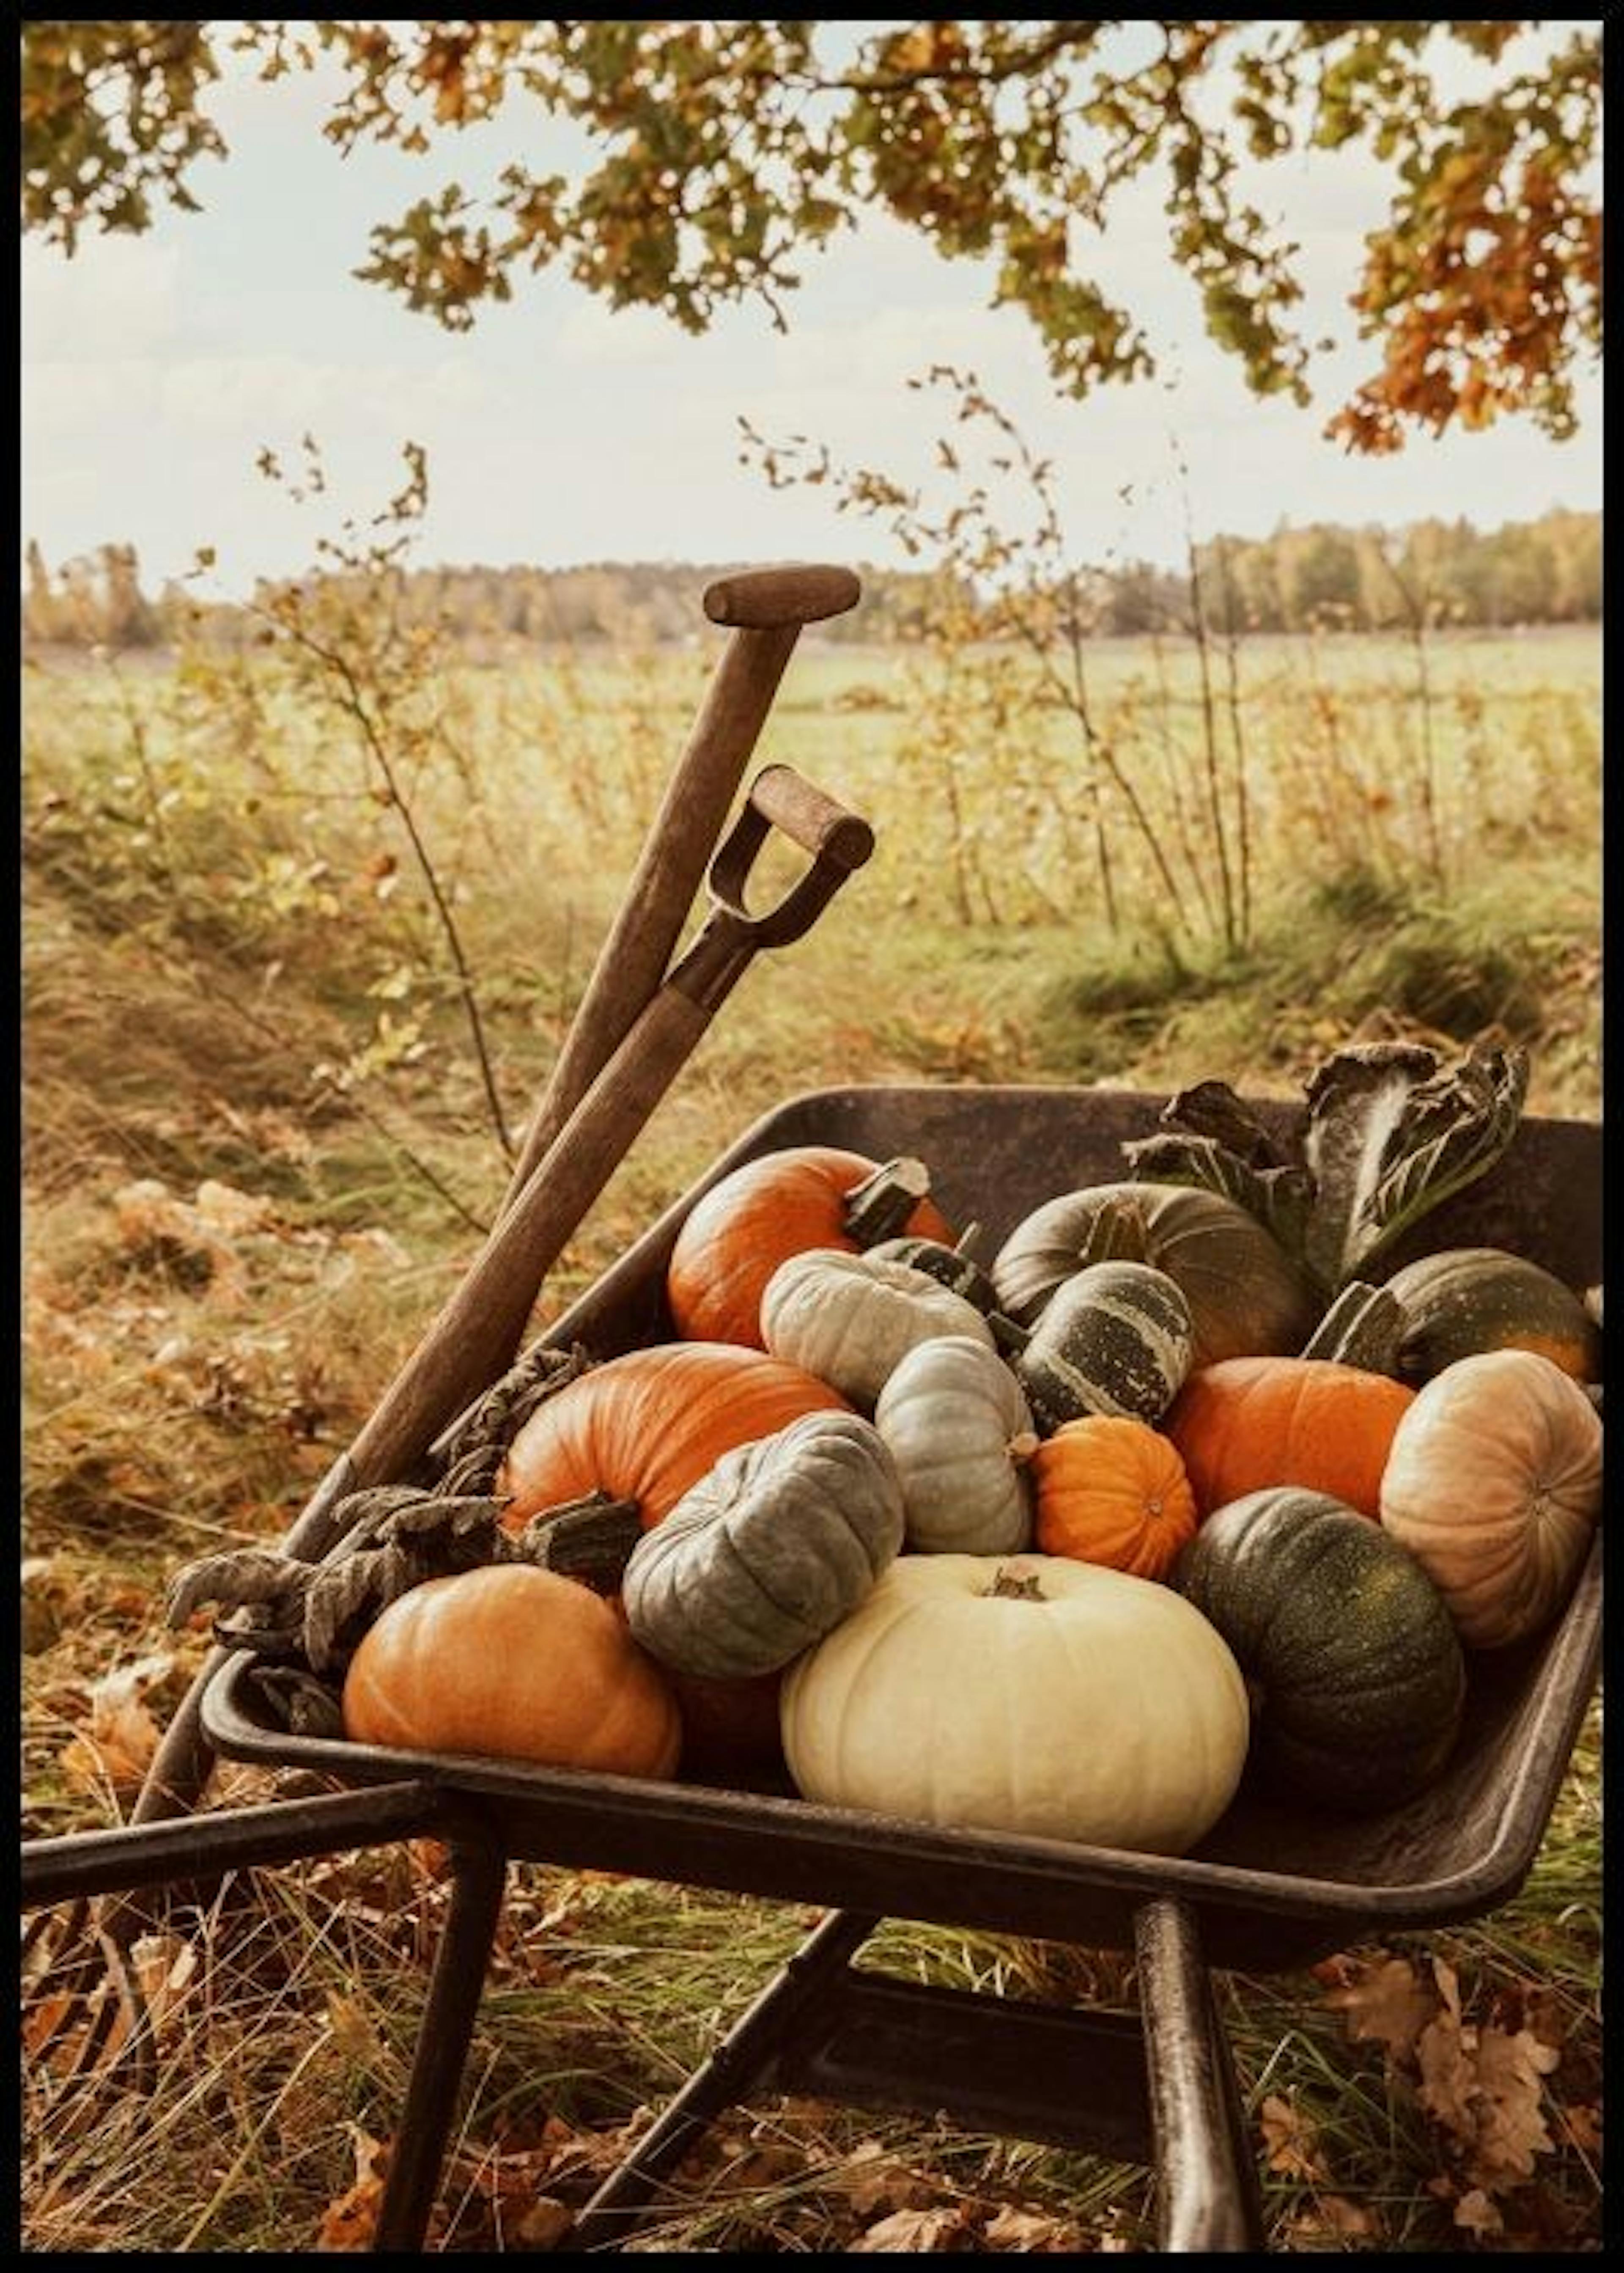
(951, 1266)
(1116, 1338)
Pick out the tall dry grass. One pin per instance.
(258, 1151)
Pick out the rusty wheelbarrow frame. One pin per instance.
(1268, 1889)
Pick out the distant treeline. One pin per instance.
(1432, 573)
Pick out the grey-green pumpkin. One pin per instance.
(961, 1432)
(769, 1551)
(848, 1318)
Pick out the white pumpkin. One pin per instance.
(848, 1318)
(960, 1431)
(1026, 1693)
(1493, 1482)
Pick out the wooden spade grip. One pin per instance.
(771, 599)
(808, 817)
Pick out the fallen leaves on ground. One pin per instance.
(113, 1747)
(1482, 2084)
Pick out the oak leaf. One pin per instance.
(1289, 2139)
(917, 2230)
(1484, 2085)
(1386, 2000)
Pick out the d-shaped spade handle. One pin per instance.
(837, 840)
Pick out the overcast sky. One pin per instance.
(156, 369)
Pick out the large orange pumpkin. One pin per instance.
(1112, 1490)
(647, 1425)
(735, 1235)
(1249, 1422)
(511, 1663)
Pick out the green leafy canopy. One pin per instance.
(721, 151)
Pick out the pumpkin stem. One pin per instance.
(1017, 1585)
(590, 1539)
(1022, 1448)
(879, 1206)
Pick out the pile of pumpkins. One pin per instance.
(1064, 1546)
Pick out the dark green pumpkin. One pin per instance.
(1463, 1300)
(1355, 1669)
(1246, 1295)
(1116, 1339)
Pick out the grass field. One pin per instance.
(260, 1148)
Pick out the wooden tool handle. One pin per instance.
(771, 599)
(810, 817)
(767, 608)
(474, 1336)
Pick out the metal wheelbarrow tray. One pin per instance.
(1269, 1889)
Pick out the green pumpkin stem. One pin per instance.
(590, 1539)
(1118, 1232)
(879, 1207)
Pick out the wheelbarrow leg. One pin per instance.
(733, 2070)
(1207, 2182)
(479, 1872)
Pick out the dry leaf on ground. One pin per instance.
(1016, 2229)
(1477, 2213)
(351, 2222)
(1384, 1997)
(1485, 2087)
(918, 2230)
(1289, 2139)
(872, 2180)
(115, 1747)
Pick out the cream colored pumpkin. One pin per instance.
(1025, 1694)
(848, 1318)
(1493, 1483)
(959, 1427)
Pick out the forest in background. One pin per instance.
(1322, 577)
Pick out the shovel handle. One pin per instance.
(772, 599)
(808, 817)
(475, 1333)
(764, 609)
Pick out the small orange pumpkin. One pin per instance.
(735, 1235)
(1114, 1490)
(1247, 1423)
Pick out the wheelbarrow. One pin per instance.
(1270, 1888)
